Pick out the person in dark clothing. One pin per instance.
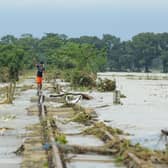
(39, 77)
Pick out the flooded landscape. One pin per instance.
(143, 113)
(14, 119)
(84, 84)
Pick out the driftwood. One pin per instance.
(107, 134)
(84, 96)
(72, 102)
(2, 130)
(20, 150)
(138, 163)
(164, 132)
(135, 159)
(86, 149)
(49, 99)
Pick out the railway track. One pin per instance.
(43, 151)
(41, 148)
(55, 161)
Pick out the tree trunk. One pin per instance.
(146, 68)
(165, 69)
(10, 92)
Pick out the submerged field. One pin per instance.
(143, 112)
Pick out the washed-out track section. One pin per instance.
(42, 150)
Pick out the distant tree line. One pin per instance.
(144, 52)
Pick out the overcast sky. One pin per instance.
(123, 18)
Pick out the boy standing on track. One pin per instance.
(39, 77)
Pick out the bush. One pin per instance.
(67, 75)
(52, 74)
(61, 138)
(106, 85)
(4, 75)
(84, 79)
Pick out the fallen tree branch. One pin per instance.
(164, 132)
(84, 96)
(138, 162)
(135, 159)
(72, 102)
(86, 149)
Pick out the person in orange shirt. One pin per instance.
(39, 77)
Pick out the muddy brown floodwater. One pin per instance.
(144, 111)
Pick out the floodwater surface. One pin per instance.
(144, 111)
(14, 118)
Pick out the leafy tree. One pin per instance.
(79, 56)
(13, 60)
(163, 50)
(164, 58)
(8, 39)
(86, 53)
(112, 45)
(29, 45)
(145, 50)
(92, 40)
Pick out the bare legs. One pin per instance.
(39, 87)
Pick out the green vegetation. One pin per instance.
(99, 128)
(83, 79)
(126, 152)
(123, 96)
(60, 138)
(81, 117)
(46, 165)
(106, 85)
(78, 59)
(84, 55)
(119, 159)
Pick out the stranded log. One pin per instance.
(86, 149)
(84, 96)
(164, 132)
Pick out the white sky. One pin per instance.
(123, 18)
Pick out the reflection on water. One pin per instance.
(144, 110)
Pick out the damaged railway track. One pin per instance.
(51, 149)
(46, 145)
(44, 150)
(55, 159)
